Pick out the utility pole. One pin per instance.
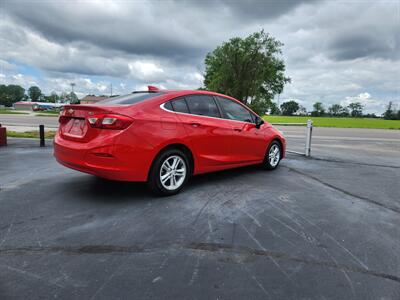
(111, 90)
(72, 101)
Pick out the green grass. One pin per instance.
(30, 134)
(12, 112)
(49, 112)
(337, 122)
(46, 115)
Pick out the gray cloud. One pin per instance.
(352, 46)
(249, 10)
(129, 28)
(173, 29)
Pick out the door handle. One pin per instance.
(237, 129)
(195, 124)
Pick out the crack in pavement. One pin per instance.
(352, 162)
(214, 247)
(392, 208)
(294, 153)
(217, 248)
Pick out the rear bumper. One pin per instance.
(114, 159)
(97, 171)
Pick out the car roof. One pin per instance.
(194, 92)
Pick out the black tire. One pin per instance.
(267, 163)
(154, 180)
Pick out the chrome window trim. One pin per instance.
(177, 112)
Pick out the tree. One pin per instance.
(289, 108)
(372, 115)
(249, 69)
(302, 111)
(319, 109)
(5, 98)
(9, 94)
(73, 99)
(260, 106)
(389, 114)
(34, 93)
(356, 109)
(53, 98)
(344, 112)
(335, 110)
(274, 109)
(63, 97)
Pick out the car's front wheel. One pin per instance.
(273, 156)
(169, 173)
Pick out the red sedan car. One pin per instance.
(164, 137)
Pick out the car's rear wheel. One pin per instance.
(273, 156)
(169, 173)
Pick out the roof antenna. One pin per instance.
(152, 88)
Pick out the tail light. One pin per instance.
(62, 119)
(116, 122)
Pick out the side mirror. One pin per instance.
(259, 122)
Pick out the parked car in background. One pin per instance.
(164, 137)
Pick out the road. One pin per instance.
(27, 122)
(376, 147)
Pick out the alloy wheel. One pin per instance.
(274, 155)
(173, 172)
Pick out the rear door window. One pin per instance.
(179, 105)
(234, 111)
(129, 99)
(168, 105)
(203, 105)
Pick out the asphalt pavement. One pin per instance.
(375, 147)
(326, 227)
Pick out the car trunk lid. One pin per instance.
(75, 125)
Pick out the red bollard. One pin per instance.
(3, 136)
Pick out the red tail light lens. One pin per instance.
(116, 122)
(62, 119)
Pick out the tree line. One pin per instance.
(355, 110)
(9, 94)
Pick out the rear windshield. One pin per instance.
(129, 99)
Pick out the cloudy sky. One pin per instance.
(335, 51)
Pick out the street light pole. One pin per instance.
(72, 84)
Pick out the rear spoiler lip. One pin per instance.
(82, 106)
(92, 108)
